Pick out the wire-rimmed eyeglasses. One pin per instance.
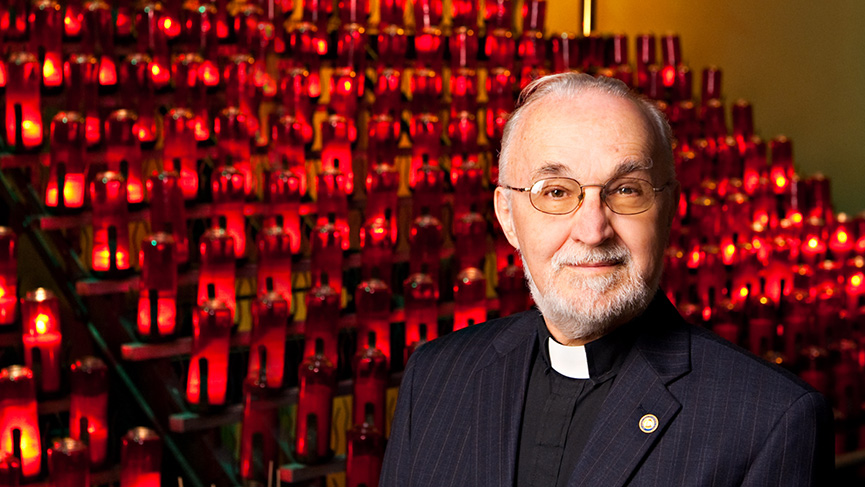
(622, 195)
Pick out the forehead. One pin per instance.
(588, 137)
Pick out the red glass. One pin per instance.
(425, 249)
(227, 210)
(512, 290)
(23, 102)
(274, 262)
(123, 152)
(82, 93)
(465, 13)
(46, 22)
(167, 212)
(10, 470)
(498, 14)
(464, 94)
(377, 243)
(351, 47)
(270, 315)
(8, 276)
(322, 318)
(88, 407)
(140, 458)
(387, 95)
(762, 314)
(13, 20)
(392, 45)
(197, 27)
(317, 12)
(646, 56)
(372, 300)
(329, 240)
(428, 13)
(819, 197)
(309, 43)
(217, 274)
(179, 149)
(534, 14)
(841, 237)
(421, 308)
(208, 364)
(98, 37)
(383, 140)
(240, 90)
(428, 190)
(781, 171)
(500, 48)
(152, 29)
(40, 322)
(365, 454)
(353, 11)
(282, 195)
(338, 133)
(234, 140)
(137, 86)
(346, 88)
(463, 45)
(314, 407)
(429, 45)
(470, 233)
(111, 247)
(391, 13)
(426, 131)
(370, 381)
(426, 92)
(65, 186)
(123, 22)
(382, 184)
(69, 463)
(467, 179)
(288, 139)
(157, 289)
(470, 298)
(500, 84)
(259, 448)
(566, 53)
(19, 416)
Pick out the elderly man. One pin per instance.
(604, 384)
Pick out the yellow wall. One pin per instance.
(801, 64)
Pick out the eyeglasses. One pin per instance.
(560, 196)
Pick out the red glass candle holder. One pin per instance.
(762, 314)
(274, 262)
(463, 43)
(137, 86)
(322, 318)
(512, 290)
(88, 407)
(426, 132)
(470, 298)
(425, 87)
(40, 321)
(288, 138)
(338, 133)
(14, 20)
(81, 71)
(388, 95)
(23, 102)
(470, 233)
(234, 140)
(314, 407)
(500, 84)
(498, 14)
(566, 52)
(377, 242)
(428, 190)
(841, 238)
(309, 43)
(353, 11)
(351, 45)
(46, 22)
(141, 458)
(500, 48)
(365, 454)
(819, 197)
(282, 195)
(10, 470)
(331, 197)
(372, 300)
(167, 212)
(534, 14)
(370, 381)
(179, 149)
(240, 92)
(270, 314)
(259, 448)
(329, 240)
(229, 195)
(382, 184)
(124, 21)
(123, 152)
(781, 171)
(346, 88)
(65, 188)
(392, 44)
(98, 37)
(217, 274)
(425, 250)
(111, 246)
(153, 27)
(157, 292)
(19, 418)
(428, 13)
(8, 276)
(464, 94)
(69, 463)
(317, 12)
(391, 13)
(467, 179)
(208, 365)
(421, 308)
(383, 140)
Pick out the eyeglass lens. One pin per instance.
(625, 196)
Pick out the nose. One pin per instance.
(591, 221)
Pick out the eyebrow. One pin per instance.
(622, 169)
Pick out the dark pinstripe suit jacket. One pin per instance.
(725, 416)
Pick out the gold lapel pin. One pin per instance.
(648, 423)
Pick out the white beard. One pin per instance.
(583, 307)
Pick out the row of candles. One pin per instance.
(69, 459)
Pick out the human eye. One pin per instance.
(554, 190)
(627, 188)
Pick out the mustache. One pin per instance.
(577, 255)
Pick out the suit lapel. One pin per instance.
(501, 387)
(618, 443)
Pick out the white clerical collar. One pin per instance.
(569, 361)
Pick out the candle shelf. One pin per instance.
(298, 472)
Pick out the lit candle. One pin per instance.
(259, 431)
(140, 458)
(282, 195)
(500, 48)
(167, 212)
(40, 320)
(470, 298)
(82, 87)
(498, 14)
(322, 318)
(464, 93)
(383, 139)
(234, 140)
(392, 45)
(111, 247)
(426, 132)
(314, 407)
(138, 89)
(208, 364)
(391, 13)
(227, 210)
(421, 309)
(274, 262)
(65, 188)
(46, 36)
(88, 407)
(179, 149)
(351, 46)
(365, 452)
(10, 470)
(376, 244)
(69, 463)
(8, 276)
(370, 381)
(329, 240)
(270, 315)
(123, 152)
(425, 240)
(372, 299)
(217, 273)
(19, 417)
(23, 103)
(346, 88)
(338, 133)
(157, 290)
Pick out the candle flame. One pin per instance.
(42, 321)
(856, 280)
(743, 292)
(841, 237)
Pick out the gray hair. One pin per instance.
(569, 85)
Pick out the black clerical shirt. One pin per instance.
(559, 412)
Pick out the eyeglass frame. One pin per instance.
(582, 196)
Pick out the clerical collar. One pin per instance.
(597, 360)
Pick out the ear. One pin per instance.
(505, 216)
